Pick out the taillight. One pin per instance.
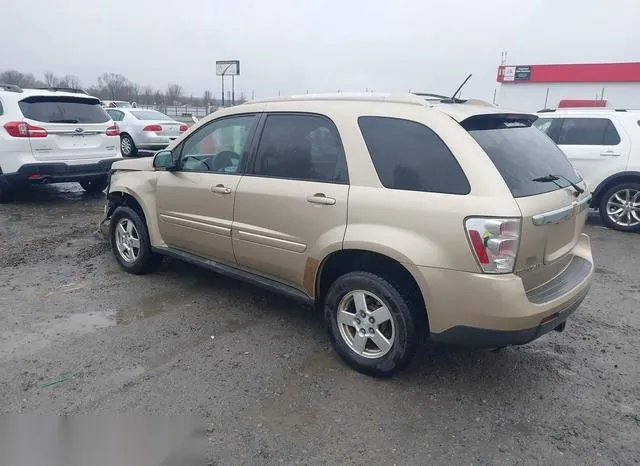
(113, 131)
(21, 129)
(155, 128)
(495, 242)
(183, 128)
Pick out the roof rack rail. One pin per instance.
(10, 87)
(62, 89)
(581, 109)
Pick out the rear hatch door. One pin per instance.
(75, 127)
(551, 196)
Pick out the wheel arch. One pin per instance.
(343, 261)
(608, 183)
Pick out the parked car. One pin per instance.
(118, 104)
(604, 146)
(399, 218)
(144, 129)
(52, 136)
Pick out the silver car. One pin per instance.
(142, 129)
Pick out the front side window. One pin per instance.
(586, 132)
(409, 156)
(219, 146)
(301, 147)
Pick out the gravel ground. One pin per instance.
(78, 335)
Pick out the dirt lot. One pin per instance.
(78, 335)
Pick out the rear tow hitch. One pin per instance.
(561, 327)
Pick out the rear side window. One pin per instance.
(586, 132)
(409, 156)
(63, 110)
(521, 153)
(1, 108)
(301, 147)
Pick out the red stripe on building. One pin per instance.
(570, 73)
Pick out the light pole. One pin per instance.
(223, 73)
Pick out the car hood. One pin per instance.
(139, 164)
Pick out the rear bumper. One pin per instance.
(486, 310)
(153, 146)
(58, 172)
(488, 338)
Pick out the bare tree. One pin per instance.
(206, 98)
(147, 95)
(50, 79)
(68, 80)
(174, 92)
(19, 79)
(158, 99)
(115, 84)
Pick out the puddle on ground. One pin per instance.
(27, 341)
(147, 306)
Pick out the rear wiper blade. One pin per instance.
(551, 178)
(63, 121)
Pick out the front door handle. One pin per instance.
(610, 154)
(220, 189)
(321, 198)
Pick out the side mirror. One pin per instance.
(163, 160)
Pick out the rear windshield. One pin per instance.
(521, 153)
(150, 115)
(63, 110)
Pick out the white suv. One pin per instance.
(54, 136)
(604, 146)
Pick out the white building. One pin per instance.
(534, 87)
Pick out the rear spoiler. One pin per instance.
(498, 120)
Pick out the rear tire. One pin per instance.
(620, 207)
(94, 185)
(130, 242)
(370, 339)
(127, 146)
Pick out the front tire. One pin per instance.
(127, 146)
(372, 325)
(620, 207)
(130, 242)
(95, 185)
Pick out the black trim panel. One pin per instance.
(58, 172)
(254, 279)
(463, 335)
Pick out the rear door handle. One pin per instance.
(610, 154)
(321, 198)
(220, 189)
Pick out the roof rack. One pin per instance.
(579, 109)
(10, 87)
(403, 98)
(61, 89)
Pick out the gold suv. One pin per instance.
(400, 217)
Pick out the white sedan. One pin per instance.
(142, 129)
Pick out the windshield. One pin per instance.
(150, 115)
(522, 153)
(63, 110)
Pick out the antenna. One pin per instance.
(453, 97)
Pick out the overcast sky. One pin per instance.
(317, 45)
